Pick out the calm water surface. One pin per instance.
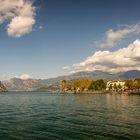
(45, 116)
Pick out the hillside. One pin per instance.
(16, 84)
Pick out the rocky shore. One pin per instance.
(2, 88)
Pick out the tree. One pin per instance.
(93, 86)
(97, 85)
(137, 79)
(128, 84)
(63, 85)
(115, 87)
(81, 83)
(101, 84)
(110, 87)
(119, 87)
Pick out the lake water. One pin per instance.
(46, 116)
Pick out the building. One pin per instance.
(115, 85)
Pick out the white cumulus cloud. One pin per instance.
(20, 14)
(121, 60)
(112, 37)
(20, 26)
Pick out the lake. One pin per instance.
(47, 116)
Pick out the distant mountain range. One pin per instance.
(16, 84)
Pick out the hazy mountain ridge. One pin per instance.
(20, 85)
(32, 84)
(95, 75)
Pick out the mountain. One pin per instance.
(2, 88)
(94, 76)
(91, 75)
(129, 74)
(16, 84)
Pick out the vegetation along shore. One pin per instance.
(100, 86)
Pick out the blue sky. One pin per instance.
(63, 33)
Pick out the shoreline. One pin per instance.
(85, 92)
(102, 92)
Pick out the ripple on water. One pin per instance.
(58, 116)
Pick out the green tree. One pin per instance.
(101, 84)
(97, 85)
(137, 79)
(128, 84)
(110, 87)
(93, 86)
(119, 87)
(115, 87)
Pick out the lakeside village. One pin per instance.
(100, 86)
(85, 85)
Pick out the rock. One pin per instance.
(2, 88)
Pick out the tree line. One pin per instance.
(83, 84)
(133, 84)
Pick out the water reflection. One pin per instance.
(69, 116)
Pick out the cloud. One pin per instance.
(40, 27)
(65, 67)
(114, 37)
(24, 76)
(121, 60)
(20, 26)
(20, 14)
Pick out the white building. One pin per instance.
(115, 85)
